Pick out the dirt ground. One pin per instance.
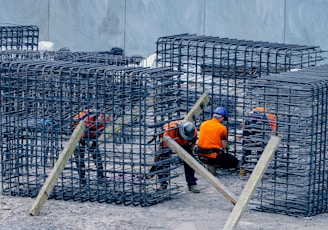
(205, 211)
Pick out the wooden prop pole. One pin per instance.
(252, 182)
(214, 181)
(57, 170)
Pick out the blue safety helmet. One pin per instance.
(222, 111)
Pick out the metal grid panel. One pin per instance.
(241, 75)
(296, 180)
(18, 37)
(104, 58)
(38, 101)
(222, 66)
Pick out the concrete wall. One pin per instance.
(135, 25)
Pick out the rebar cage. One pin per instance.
(242, 75)
(39, 99)
(41, 93)
(102, 57)
(296, 180)
(222, 66)
(18, 37)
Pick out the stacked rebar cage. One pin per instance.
(18, 37)
(39, 99)
(223, 67)
(41, 93)
(102, 57)
(296, 180)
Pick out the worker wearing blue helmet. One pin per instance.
(213, 143)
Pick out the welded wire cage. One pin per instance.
(222, 66)
(101, 57)
(39, 100)
(243, 75)
(296, 180)
(18, 37)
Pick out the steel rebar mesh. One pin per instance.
(222, 66)
(101, 57)
(296, 180)
(38, 102)
(18, 37)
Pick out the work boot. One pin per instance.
(193, 189)
(242, 172)
(212, 170)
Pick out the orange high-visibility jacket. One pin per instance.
(212, 132)
(172, 130)
(94, 123)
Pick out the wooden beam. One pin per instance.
(137, 111)
(126, 119)
(57, 169)
(252, 182)
(214, 181)
(197, 108)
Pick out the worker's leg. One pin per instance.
(227, 161)
(211, 164)
(97, 158)
(190, 178)
(189, 174)
(79, 160)
(163, 167)
(153, 167)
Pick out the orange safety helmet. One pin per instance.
(261, 112)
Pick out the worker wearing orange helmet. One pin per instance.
(258, 123)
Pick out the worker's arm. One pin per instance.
(224, 144)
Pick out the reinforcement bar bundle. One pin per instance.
(18, 37)
(222, 66)
(39, 100)
(104, 58)
(296, 180)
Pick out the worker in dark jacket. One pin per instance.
(257, 127)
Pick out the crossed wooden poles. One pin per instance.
(240, 205)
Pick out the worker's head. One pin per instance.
(186, 130)
(103, 118)
(258, 113)
(221, 112)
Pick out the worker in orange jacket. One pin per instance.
(95, 124)
(185, 134)
(213, 143)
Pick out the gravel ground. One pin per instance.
(205, 211)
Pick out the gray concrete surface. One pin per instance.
(135, 25)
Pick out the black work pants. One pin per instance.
(79, 155)
(223, 160)
(164, 168)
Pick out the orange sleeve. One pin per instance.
(273, 121)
